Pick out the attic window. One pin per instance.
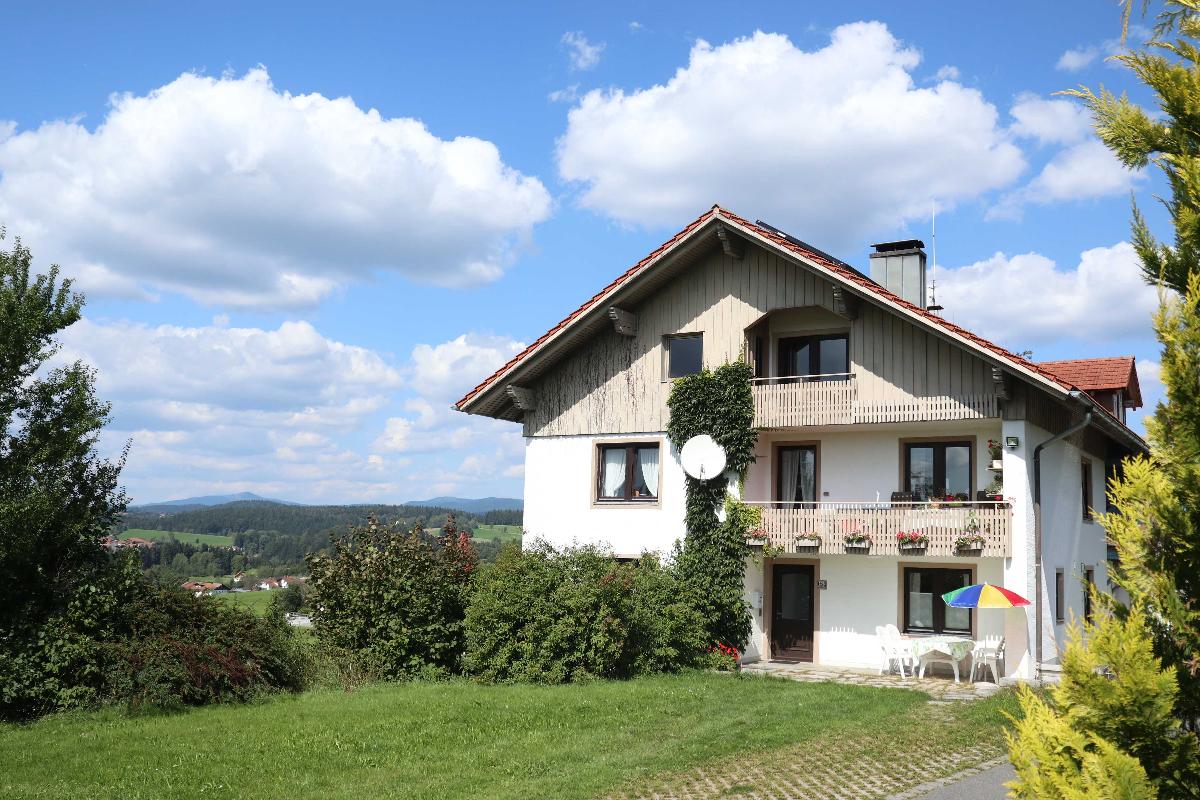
(684, 354)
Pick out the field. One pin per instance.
(254, 602)
(210, 539)
(464, 740)
(505, 533)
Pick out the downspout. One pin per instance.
(1037, 528)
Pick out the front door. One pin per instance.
(793, 612)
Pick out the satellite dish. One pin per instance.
(702, 457)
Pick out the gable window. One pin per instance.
(627, 473)
(924, 609)
(684, 354)
(814, 357)
(1085, 487)
(938, 470)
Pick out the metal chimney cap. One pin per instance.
(891, 247)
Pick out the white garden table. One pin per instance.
(941, 650)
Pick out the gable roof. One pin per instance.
(1100, 374)
(820, 262)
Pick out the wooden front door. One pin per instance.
(793, 612)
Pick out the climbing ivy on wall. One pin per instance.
(712, 559)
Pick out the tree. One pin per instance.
(57, 496)
(1157, 526)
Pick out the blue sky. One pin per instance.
(304, 229)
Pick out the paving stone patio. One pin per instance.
(938, 687)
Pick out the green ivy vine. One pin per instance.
(712, 558)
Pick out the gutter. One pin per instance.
(1037, 520)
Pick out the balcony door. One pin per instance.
(796, 475)
(793, 613)
(814, 358)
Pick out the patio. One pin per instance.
(937, 687)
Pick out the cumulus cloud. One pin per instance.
(838, 142)
(1025, 300)
(583, 54)
(1076, 59)
(947, 72)
(234, 192)
(213, 408)
(1050, 121)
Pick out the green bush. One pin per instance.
(396, 598)
(555, 617)
(120, 639)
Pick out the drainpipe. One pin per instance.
(1037, 527)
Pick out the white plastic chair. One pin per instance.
(988, 653)
(892, 648)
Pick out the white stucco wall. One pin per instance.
(864, 464)
(560, 482)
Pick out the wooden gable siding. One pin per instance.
(614, 384)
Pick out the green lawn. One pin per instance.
(505, 533)
(210, 539)
(254, 602)
(443, 741)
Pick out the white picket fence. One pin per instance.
(796, 402)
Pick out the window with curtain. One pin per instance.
(628, 472)
(924, 609)
(935, 470)
(796, 475)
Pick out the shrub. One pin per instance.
(555, 617)
(120, 639)
(393, 597)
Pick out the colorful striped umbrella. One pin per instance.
(983, 595)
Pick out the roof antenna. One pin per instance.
(933, 303)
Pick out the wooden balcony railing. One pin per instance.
(797, 401)
(943, 524)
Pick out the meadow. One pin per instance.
(456, 740)
(505, 533)
(254, 602)
(210, 539)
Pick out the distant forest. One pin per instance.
(273, 538)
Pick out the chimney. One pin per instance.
(899, 267)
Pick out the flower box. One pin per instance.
(807, 544)
(997, 465)
(857, 549)
(968, 552)
(913, 548)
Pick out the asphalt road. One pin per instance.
(987, 785)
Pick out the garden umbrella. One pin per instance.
(984, 595)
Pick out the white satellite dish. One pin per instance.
(702, 457)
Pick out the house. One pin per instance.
(290, 580)
(876, 414)
(200, 588)
(268, 583)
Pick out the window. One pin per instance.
(1085, 486)
(628, 473)
(1060, 600)
(814, 357)
(684, 354)
(938, 469)
(924, 609)
(796, 475)
(1089, 576)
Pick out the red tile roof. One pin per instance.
(1100, 374)
(838, 268)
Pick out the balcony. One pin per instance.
(797, 401)
(942, 523)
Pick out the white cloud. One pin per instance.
(584, 55)
(836, 144)
(1050, 121)
(636, 26)
(233, 192)
(947, 73)
(1082, 171)
(1076, 59)
(568, 95)
(1025, 300)
(448, 370)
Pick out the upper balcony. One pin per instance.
(833, 399)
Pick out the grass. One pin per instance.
(449, 740)
(210, 539)
(505, 533)
(254, 602)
